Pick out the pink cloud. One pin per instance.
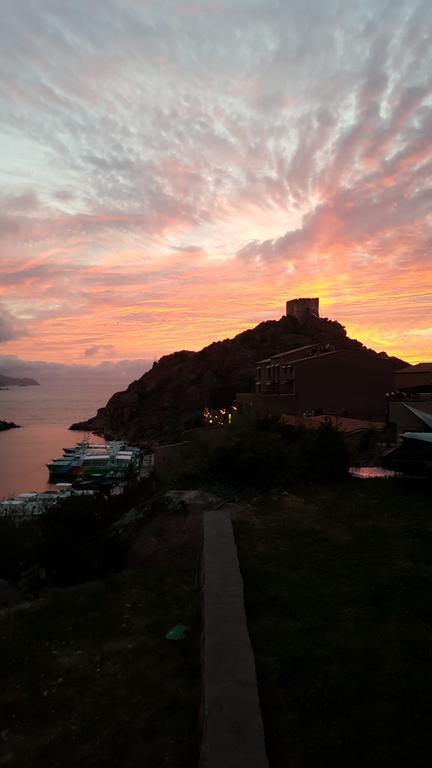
(230, 158)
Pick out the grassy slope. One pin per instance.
(339, 598)
(89, 679)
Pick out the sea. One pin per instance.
(44, 414)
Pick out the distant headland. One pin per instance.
(4, 425)
(9, 381)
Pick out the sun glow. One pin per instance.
(164, 199)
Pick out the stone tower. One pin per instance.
(303, 308)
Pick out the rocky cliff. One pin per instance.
(171, 396)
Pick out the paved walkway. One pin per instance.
(233, 729)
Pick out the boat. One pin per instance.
(28, 506)
(65, 467)
(83, 444)
(114, 459)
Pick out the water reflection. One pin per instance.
(25, 452)
(370, 473)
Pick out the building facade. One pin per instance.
(302, 309)
(321, 379)
(410, 399)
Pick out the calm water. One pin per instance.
(45, 414)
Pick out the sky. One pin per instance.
(172, 172)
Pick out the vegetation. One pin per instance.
(70, 543)
(268, 455)
(88, 678)
(338, 585)
(88, 675)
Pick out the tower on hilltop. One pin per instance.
(303, 308)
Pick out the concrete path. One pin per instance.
(233, 729)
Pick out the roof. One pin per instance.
(424, 437)
(419, 368)
(307, 358)
(426, 418)
(343, 423)
(298, 350)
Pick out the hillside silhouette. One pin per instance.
(171, 396)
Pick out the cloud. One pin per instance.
(183, 168)
(10, 327)
(64, 195)
(98, 349)
(117, 370)
(189, 249)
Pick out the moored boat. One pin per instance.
(96, 460)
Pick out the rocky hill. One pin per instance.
(172, 395)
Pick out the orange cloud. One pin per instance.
(215, 175)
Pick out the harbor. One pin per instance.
(85, 469)
(113, 460)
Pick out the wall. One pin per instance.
(408, 380)
(347, 382)
(168, 458)
(266, 405)
(280, 381)
(301, 308)
(207, 435)
(405, 420)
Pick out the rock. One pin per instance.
(165, 509)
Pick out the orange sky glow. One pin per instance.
(176, 183)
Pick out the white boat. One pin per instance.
(114, 458)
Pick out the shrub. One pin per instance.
(75, 543)
(19, 547)
(268, 455)
(70, 543)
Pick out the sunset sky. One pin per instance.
(173, 171)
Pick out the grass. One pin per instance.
(338, 588)
(89, 680)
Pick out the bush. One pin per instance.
(76, 545)
(268, 455)
(19, 547)
(70, 543)
(326, 454)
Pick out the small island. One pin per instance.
(4, 425)
(9, 381)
